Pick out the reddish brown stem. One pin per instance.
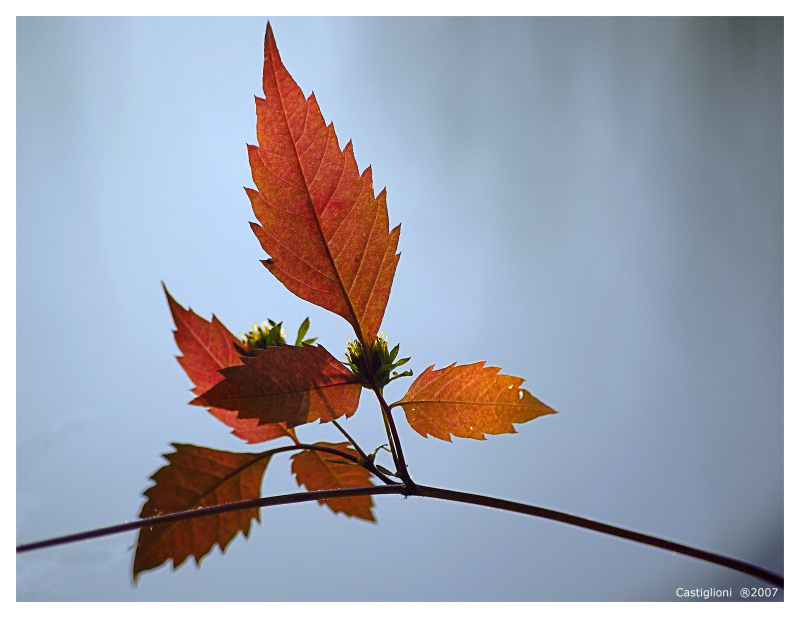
(431, 492)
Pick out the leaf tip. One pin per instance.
(166, 291)
(269, 37)
(199, 401)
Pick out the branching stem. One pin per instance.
(350, 439)
(365, 462)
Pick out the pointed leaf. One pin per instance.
(468, 401)
(301, 332)
(197, 477)
(326, 233)
(287, 384)
(208, 347)
(319, 470)
(248, 429)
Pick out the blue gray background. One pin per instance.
(595, 205)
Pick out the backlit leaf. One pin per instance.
(197, 477)
(468, 401)
(208, 347)
(287, 384)
(326, 233)
(319, 470)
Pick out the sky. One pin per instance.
(595, 205)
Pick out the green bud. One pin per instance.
(265, 335)
(271, 334)
(376, 361)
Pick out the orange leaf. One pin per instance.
(197, 477)
(468, 401)
(319, 470)
(208, 347)
(287, 384)
(326, 233)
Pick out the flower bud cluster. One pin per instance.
(376, 361)
(265, 335)
(269, 334)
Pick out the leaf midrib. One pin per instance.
(357, 325)
(196, 503)
(453, 402)
(292, 392)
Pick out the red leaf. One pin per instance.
(197, 477)
(468, 401)
(248, 429)
(326, 233)
(287, 384)
(319, 470)
(208, 347)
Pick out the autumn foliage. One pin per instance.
(468, 401)
(197, 477)
(325, 231)
(327, 240)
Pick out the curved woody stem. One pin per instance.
(431, 492)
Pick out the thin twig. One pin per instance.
(369, 465)
(364, 460)
(213, 510)
(590, 524)
(430, 492)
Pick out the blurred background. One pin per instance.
(595, 205)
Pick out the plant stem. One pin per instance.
(390, 438)
(350, 439)
(402, 470)
(213, 510)
(365, 460)
(590, 524)
(391, 432)
(430, 492)
(366, 463)
(311, 447)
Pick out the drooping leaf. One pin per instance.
(319, 470)
(326, 233)
(197, 477)
(208, 347)
(468, 401)
(287, 384)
